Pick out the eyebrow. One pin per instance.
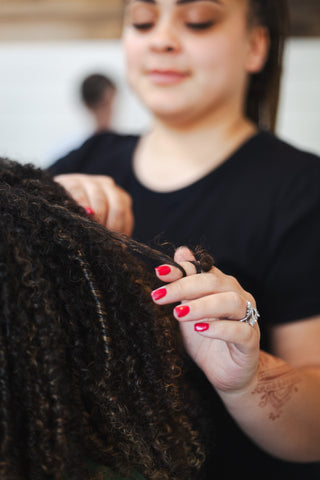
(179, 2)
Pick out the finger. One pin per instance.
(170, 273)
(74, 188)
(183, 254)
(242, 335)
(228, 305)
(98, 201)
(129, 223)
(120, 216)
(195, 286)
(129, 218)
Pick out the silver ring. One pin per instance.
(252, 315)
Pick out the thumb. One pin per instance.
(183, 254)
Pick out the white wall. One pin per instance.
(299, 115)
(40, 111)
(41, 116)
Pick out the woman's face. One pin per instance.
(186, 58)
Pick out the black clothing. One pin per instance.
(259, 216)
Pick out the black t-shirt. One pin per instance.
(259, 216)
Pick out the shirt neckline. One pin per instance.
(215, 172)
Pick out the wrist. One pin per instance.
(270, 388)
(243, 393)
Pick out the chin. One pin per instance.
(175, 118)
(167, 107)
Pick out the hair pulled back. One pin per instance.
(264, 88)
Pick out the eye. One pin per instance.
(141, 17)
(200, 25)
(143, 26)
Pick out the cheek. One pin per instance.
(132, 56)
(218, 57)
(206, 57)
(133, 49)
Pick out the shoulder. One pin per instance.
(281, 171)
(275, 154)
(94, 154)
(273, 173)
(290, 179)
(114, 139)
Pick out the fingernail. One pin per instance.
(163, 270)
(182, 310)
(160, 293)
(201, 327)
(89, 211)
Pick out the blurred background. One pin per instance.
(47, 47)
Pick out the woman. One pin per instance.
(208, 173)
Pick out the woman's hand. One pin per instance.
(211, 305)
(272, 402)
(110, 205)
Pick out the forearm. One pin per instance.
(280, 409)
(278, 406)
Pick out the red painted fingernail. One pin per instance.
(163, 270)
(160, 293)
(201, 327)
(89, 211)
(182, 310)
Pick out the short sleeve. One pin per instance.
(291, 285)
(106, 153)
(77, 160)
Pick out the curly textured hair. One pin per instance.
(90, 367)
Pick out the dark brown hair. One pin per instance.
(264, 88)
(90, 368)
(93, 88)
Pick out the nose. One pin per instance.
(165, 38)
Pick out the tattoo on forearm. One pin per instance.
(276, 386)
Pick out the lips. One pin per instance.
(167, 77)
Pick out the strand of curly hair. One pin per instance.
(90, 368)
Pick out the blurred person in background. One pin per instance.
(98, 93)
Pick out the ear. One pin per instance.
(259, 43)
